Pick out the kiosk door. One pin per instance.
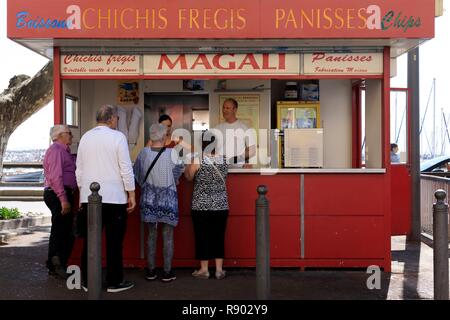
(400, 162)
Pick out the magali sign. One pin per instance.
(222, 64)
(232, 19)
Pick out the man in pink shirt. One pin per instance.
(60, 184)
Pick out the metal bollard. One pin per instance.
(94, 243)
(440, 247)
(262, 245)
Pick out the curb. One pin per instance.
(21, 198)
(6, 236)
(428, 240)
(24, 222)
(21, 192)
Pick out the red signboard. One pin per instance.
(233, 19)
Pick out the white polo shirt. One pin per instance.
(103, 157)
(237, 147)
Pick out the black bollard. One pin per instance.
(94, 243)
(440, 246)
(262, 245)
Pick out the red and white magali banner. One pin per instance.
(322, 63)
(98, 65)
(222, 64)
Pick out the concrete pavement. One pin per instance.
(25, 277)
(34, 214)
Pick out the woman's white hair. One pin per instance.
(56, 130)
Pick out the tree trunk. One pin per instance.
(23, 98)
(3, 143)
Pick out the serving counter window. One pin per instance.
(320, 127)
(333, 118)
(369, 114)
(399, 126)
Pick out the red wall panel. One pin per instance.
(340, 222)
(344, 237)
(283, 193)
(240, 241)
(344, 194)
(400, 199)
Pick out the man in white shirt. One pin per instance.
(237, 144)
(103, 157)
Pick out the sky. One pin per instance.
(434, 63)
(16, 59)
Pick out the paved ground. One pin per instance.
(24, 276)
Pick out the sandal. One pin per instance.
(221, 274)
(200, 275)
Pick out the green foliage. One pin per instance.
(6, 213)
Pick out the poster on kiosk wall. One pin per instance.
(248, 110)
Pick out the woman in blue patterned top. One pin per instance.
(159, 199)
(209, 207)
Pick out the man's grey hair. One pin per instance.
(158, 132)
(56, 130)
(105, 113)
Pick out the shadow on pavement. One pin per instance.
(410, 259)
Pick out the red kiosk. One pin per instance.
(185, 58)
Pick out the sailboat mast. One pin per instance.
(434, 118)
(442, 131)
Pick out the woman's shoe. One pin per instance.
(221, 274)
(150, 274)
(200, 275)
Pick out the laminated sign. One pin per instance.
(128, 92)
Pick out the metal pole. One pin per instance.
(262, 245)
(94, 243)
(413, 86)
(434, 118)
(274, 139)
(440, 246)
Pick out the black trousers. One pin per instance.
(114, 221)
(61, 235)
(209, 233)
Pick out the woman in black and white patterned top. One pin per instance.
(209, 207)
